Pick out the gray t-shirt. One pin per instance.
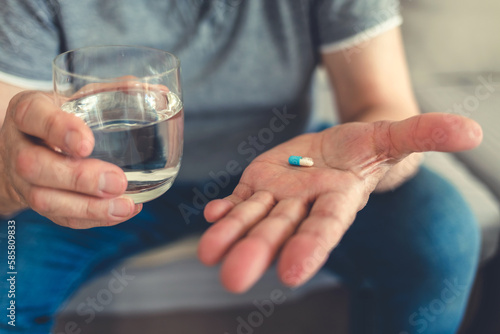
(246, 64)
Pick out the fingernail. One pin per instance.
(111, 183)
(71, 139)
(137, 208)
(476, 132)
(86, 147)
(121, 207)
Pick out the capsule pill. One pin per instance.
(295, 160)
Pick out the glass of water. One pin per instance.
(131, 99)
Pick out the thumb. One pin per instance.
(434, 132)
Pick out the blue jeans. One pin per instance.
(409, 258)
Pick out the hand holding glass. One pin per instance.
(131, 99)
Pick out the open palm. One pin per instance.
(301, 213)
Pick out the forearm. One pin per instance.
(374, 85)
(395, 112)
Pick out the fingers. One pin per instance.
(64, 189)
(220, 237)
(432, 132)
(43, 167)
(84, 211)
(73, 192)
(218, 208)
(35, 114)
(306, 251)
(247, 260)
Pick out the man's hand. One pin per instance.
(301, 213)
(68, 189)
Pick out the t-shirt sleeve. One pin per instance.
(29, 40)
(341, 24)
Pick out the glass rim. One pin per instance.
(117, 46)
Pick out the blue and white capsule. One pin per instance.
(295, 160)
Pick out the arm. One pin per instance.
(371, 85)
(300, 214)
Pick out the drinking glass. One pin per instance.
(131, 99)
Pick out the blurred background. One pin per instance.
(452, 49)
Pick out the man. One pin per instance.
(246, 65)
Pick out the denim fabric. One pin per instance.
(409, 258)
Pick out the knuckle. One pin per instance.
(393, 150)
(50, 124)
(418, 142)
(263, 198)
(95, 210)
(237, 218)
(39, 201)
(282, 216)
(72, 223)
(326, 239)
(266, 197)
(327, 213)
(26, 164)
(81, 181)
(21, 105)
(20, 110)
